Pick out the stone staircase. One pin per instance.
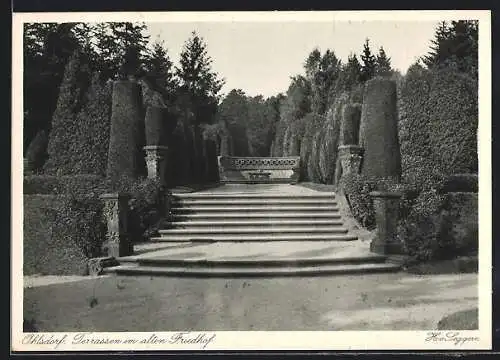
(255, 217)
(246, 233)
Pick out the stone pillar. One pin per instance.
(350, 158)
(386, 206)
(156, 158)
(117, 241)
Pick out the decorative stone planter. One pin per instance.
(117, 241)
(156, 158)
(386, 206)
(350, 158)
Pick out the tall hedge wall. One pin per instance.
(63, 225)
(60, 234)
(438, 121)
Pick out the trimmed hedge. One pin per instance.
(378, 133)
(65, 129)
(313, 123)
(327, 160)
(148, 205)
(90, 148)
(438, 121)
(77, 185)
(60, 234)
(125, 154)
(453, 106)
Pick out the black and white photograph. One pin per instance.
(251, 180)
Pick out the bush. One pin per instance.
(357, 188)
(147, 207)
(422, 230)
(60, 234)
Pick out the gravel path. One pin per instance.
(363, 302)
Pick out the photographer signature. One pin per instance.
(450, 336)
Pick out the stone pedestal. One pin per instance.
(156, 158)
(115, 210)
(350, 158)
(386, 206)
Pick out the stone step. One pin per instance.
(253, 262)
(335, 229)
(254, 208)
(268, 216)
(243, 201)
(266, 222)
(262, 195)
(307, 270)
(264, 236)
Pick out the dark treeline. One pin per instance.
(311, 109)
(67, 65)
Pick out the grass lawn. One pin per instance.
(360, 302)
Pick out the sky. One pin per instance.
(260, 57)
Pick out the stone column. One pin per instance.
(350, 158)
(156, 158)
(386, 206)
(117, 241)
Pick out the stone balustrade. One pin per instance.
(259, 169)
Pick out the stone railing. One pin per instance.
(259, 169)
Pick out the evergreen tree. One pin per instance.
(159, 69)
(122, 49)
(455, 45)
(349, 76)
(440, 45)
(199, 84)
(322, 72)
(47, 48)
(369, 62)
(383, 64)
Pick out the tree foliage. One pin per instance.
(383, 64)
(455, 44)
(369, 64)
